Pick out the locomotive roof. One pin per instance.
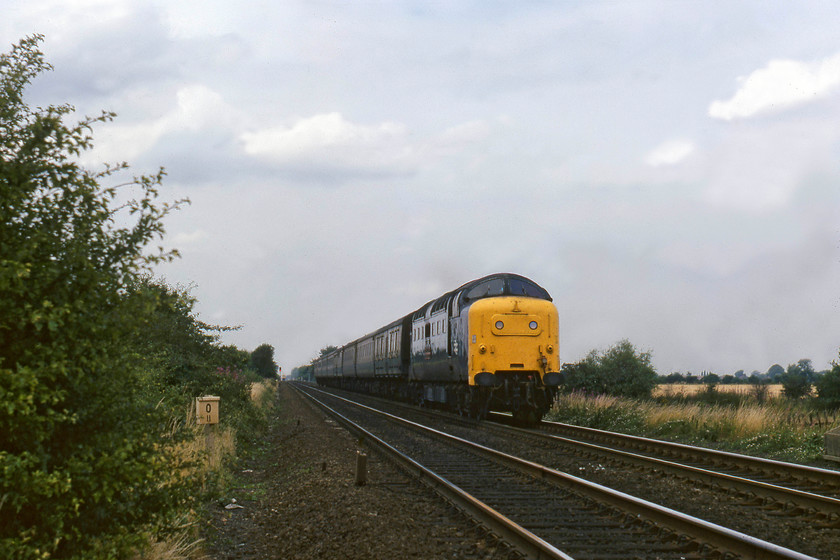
(497, 284)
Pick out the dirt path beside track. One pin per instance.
(299, 500)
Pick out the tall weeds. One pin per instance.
(204, 457)
(747, 425)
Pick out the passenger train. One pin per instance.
(491, 344)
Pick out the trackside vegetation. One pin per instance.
(99, 362)
(611, 390)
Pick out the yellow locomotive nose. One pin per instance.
(521, 334)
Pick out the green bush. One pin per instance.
(620, 371)
(99, 364)
(77, 437)
(181, 358)
(828, 388)
(796, 380)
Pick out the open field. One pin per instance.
(686, 389)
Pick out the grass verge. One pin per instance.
(756, 429)
(205, 456)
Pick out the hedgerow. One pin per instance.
(95, 385)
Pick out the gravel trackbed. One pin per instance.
(298, 499)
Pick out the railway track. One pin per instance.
(790, 475)
(542, 511)
(789, 508)
(804, 490)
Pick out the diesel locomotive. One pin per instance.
(491, 344)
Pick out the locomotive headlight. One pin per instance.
(500, 325)
(533, 325)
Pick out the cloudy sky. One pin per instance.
(669, 171)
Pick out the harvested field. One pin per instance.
(687, 390)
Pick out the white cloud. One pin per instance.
(314, 134)
(189, 238)
(669, 153)
(761, 168)
(328, 146)
(780, 84)
(466, 133)
(197, 107)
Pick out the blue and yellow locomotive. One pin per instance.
(491, 344)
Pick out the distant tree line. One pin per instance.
(307, 372)
(798, 380)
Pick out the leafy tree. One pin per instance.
(304, 373)
(180, 355)
(585, 375)
(327, 350)
(775, 372)
(77, 440)
(262, 361)
(621, 371)
(828, 387)
(796, 380)
(711, 379)
(806, 366)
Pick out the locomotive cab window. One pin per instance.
(522, 287)
(490, 288)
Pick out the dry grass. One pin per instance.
(182, 546)
(205, 452)
(263, 393)
(727, 422)
(687, 390)
(204, 456)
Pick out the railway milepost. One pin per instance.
(207, 413)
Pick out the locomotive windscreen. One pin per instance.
(505, 286)
(523, 287)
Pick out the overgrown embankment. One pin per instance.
(775, 428)
(99, 363)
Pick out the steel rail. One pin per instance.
(722, 537)
(815, 475)
(825, 505)
(515, 535)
